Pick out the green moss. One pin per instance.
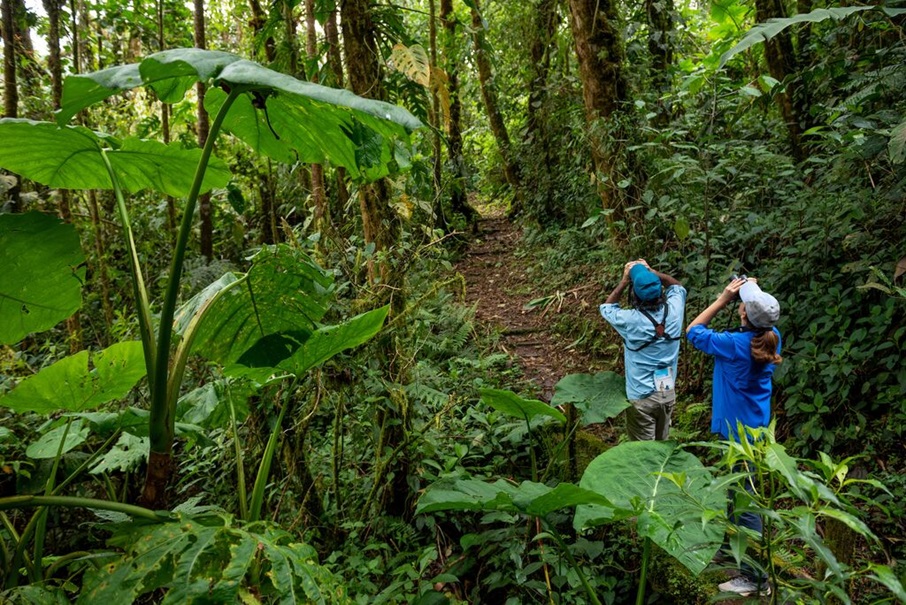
(676, 584)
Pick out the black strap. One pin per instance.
(660, 330)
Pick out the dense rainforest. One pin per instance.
(262, 266)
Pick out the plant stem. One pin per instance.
(41, 530)
(145, 325)
(643, 578)
(264, 469)
(572, 561)
(74, 502)
(161, 422)
(240, 464)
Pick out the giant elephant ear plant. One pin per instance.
(275, 114)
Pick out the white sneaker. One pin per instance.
(745, 587)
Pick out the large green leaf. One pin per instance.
(48, 444)
(278, 115)
(770, 28)
(634, 477)
(598, 397)
(208, 560)
(71, 157)
(529, 498)
(276, 307)
(41, 279)
(295, 352)
(896, 147)
(513, 405)
(70, 385)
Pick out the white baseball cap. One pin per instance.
(762, 309)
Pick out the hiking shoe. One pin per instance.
(745, 587)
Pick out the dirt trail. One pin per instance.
(496, 280)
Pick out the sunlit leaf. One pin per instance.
(48, 444)
(70, 157)
(513, 405)
(41, 279)
(598, 397)
(69, 384)
(632, 476)
(276, 114)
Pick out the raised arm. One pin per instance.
(726, 296)
(618, 291)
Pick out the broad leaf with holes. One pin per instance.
(41, 279)
(71, 385)
(278, 115)
(512, 404)
(669, 491)
(208, 559)
(598, 397)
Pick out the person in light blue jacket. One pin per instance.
(744, 362)
(651, 330)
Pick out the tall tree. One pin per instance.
(54, 8)
(204, 201)
(258, 22)
(436, 143)
(335, 73)
(660, 48)
(458, 202)
(492, 104)
(10, 82)
(782, 65)
(10, 85)
(604, 88)
(318, 193)
(541, 48)
(380, 224)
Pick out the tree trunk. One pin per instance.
(10, 84)
(781, 60)
(435, 117)
(53, 9)
(335, 64)
(318, 194)
(660, 48)
(492, 107)
(458, 202)
(604, 88)
(204, 200)
(380, 224)
(259, 19)
(541, 48)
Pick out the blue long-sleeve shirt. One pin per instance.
(741, 390)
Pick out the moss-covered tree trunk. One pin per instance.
(782, 65)
(604, 89)
(458, 201)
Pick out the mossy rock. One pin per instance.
(674, 583)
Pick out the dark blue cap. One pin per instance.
(645, 284)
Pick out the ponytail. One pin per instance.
(764, 348)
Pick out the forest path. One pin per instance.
(498, 284)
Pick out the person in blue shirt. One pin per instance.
(744, 363)
(651, 330)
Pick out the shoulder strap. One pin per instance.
(660, 330)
